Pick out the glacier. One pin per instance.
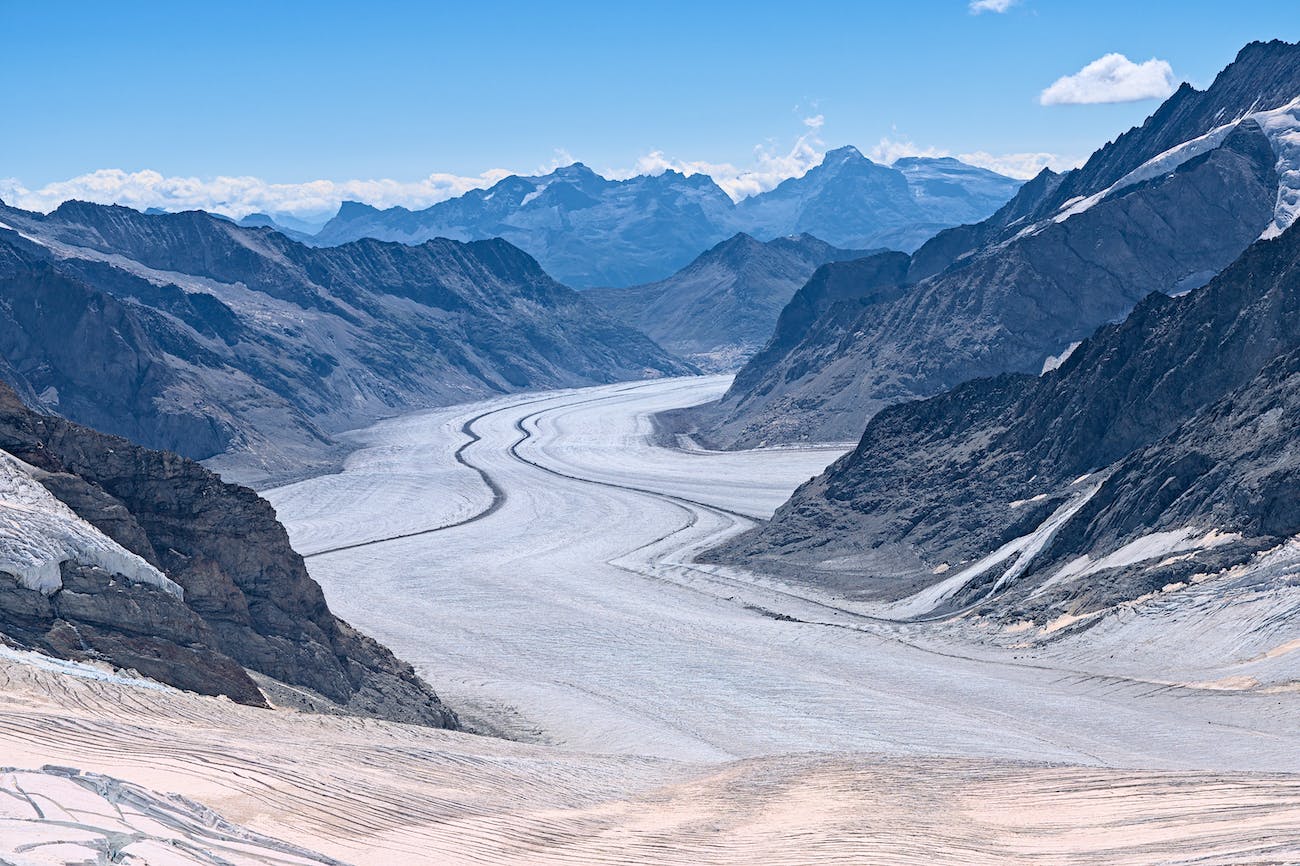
(38, 533)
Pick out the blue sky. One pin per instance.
(288, 93)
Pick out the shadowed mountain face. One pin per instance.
(1163, 208)
(1161, 449)
(247, 602)
(190, 333)
(720, 309)
(588, 231)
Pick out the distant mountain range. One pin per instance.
(1162, 208)
(587, 231)
(240, 346)
(721, 308)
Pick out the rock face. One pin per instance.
(588, 231)
(1163, 208)
(721, 308)
(1162, 448)
(190, 333)
(247, 602)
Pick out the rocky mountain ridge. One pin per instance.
(184, 578)
(243, 347)
(1158, 454)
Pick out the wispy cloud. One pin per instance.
(1021, 166)
(978, 6)
(1112, 78)
(1018, 165)
(769, 166)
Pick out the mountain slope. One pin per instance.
(721, 307)
(1159, 453)
(1069, 253)
(190, 333)
(145, 560)
(590, 232)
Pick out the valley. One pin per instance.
(382, 485)
(562, 604)
(661, 710)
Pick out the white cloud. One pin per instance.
(239, 196)
(768, 169)
(1021, 166)
(1112, 78)
(890, 149)
(978, 6)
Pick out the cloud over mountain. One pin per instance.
(1112, 78)
(1021, 166)
(238, 196)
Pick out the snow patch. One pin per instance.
(38, 533)
(1054, 361)
(81, 670)
(1280, 125)
(1148, 547)
(1157, 166)
(1017, 503)
(1019, 552)
(534, 194)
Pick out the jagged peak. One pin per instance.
(841, 155)
(1260, 47)
(736, 241)
(353, 209)
(577, 169)
(77, 205)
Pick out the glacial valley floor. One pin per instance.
(532, 556)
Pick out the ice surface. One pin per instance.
(1019, 552)
(1281, 125)
(377, 794)
(571, 610)
(38, 533)
(59, 817)
(563, 606)
(1055, 361)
